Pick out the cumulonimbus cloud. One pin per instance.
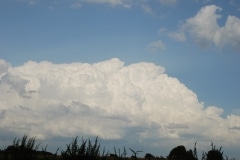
(106, 99)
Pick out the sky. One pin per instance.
(145, 74)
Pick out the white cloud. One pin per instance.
(178, 36)
(206, 31)
(78, 3)
(236, 111)
(157, 45)
(147, 9)
(110, 100)
(3, 67)
(162, 30)
(229, 35)
(203, 26)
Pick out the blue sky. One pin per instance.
(197, 43)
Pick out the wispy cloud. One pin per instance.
(156, 46)
(124, 3)
(76, 5)
(147, 9)
(178, 36)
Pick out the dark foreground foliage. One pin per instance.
(181, 153)
(27, 149)
(86, 150)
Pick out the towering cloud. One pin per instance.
(107, 99)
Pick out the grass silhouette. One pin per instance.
(27, 149)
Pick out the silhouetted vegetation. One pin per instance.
(213, 154)
(149, 156)
(86, 150)
(22, 149)
(27, 149)
(118, 155)
(180, 153)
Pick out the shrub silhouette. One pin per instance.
(180, 153)
(214, 154)
(119, 155)
(22, 149)
(177, 153)
(86, 150)
(149, 156)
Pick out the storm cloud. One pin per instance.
(107, 99)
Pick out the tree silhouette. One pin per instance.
(180, 153)
(149, 156)
(177, 153)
